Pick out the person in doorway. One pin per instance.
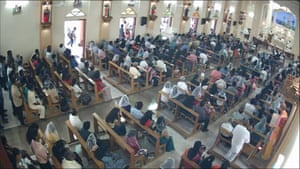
(121, 32)
(72, 36)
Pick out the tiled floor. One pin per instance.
(16, 134)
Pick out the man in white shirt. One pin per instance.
(75, 120)
(240, 135)
(183, 88)
(161, 65)
(77, 90)
(203, 57)
(134, 71)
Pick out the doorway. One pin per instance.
(74, 37)
(128, 26)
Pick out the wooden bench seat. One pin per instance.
(50, 102)
(87, 81)
(193, 118)
(69, 90)
(122, 75)
(67, 62)
(159, 148)
(73, 131)
(121, 141)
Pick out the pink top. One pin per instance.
(215, 75)
(39, 151)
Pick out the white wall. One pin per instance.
(20, 33)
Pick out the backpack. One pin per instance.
(85, 98)
(155, 81)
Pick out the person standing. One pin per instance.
(121, 32)
(240, 135)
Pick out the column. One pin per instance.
(257, 22)
(295, 48)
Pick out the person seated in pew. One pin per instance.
(73, 61)
(99, 147)
(132, 141)
(52, 92)
(215, 75)
(166, 89)
(116, 121)
(137, 75)
(97, 79)
(194, 154)
(91, 72)
(77, 90)
(34, 138)
(51, 136)
(136, 110)
(195, 81)
(239, 115)
(74, 119)
(81, 64)
(67, 77)
(240, 136)
(125, 103)
(69, 161)
(34, 102)
(207, 162)
(182, 86)
(203, 109)
(59, 149)
(160, 126)
(147, 120)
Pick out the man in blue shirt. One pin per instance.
(136, 111)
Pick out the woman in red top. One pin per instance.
(194, 153)
(146, 120)
(97, 79)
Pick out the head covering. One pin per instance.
(124, 101)
(197, 91)
(168, 85)
(174, 92)
(261, 125)
(91, 141)
(51, 131)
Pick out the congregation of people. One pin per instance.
(241, 69)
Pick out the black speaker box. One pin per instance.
(203, 21)
(143, 21)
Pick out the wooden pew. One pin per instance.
(66, 62)
(158, 146)
(49, 65)
(30, 114)
(247, 148)
(72, 130)
(50, 102)
(68, 88)
(121, 74)
(90, 81)
(99, 122)
(184, 159)
(178, 114)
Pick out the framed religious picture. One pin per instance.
(46, 14)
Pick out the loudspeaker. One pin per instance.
(234, 23)
(203, 21)
(143, 21)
